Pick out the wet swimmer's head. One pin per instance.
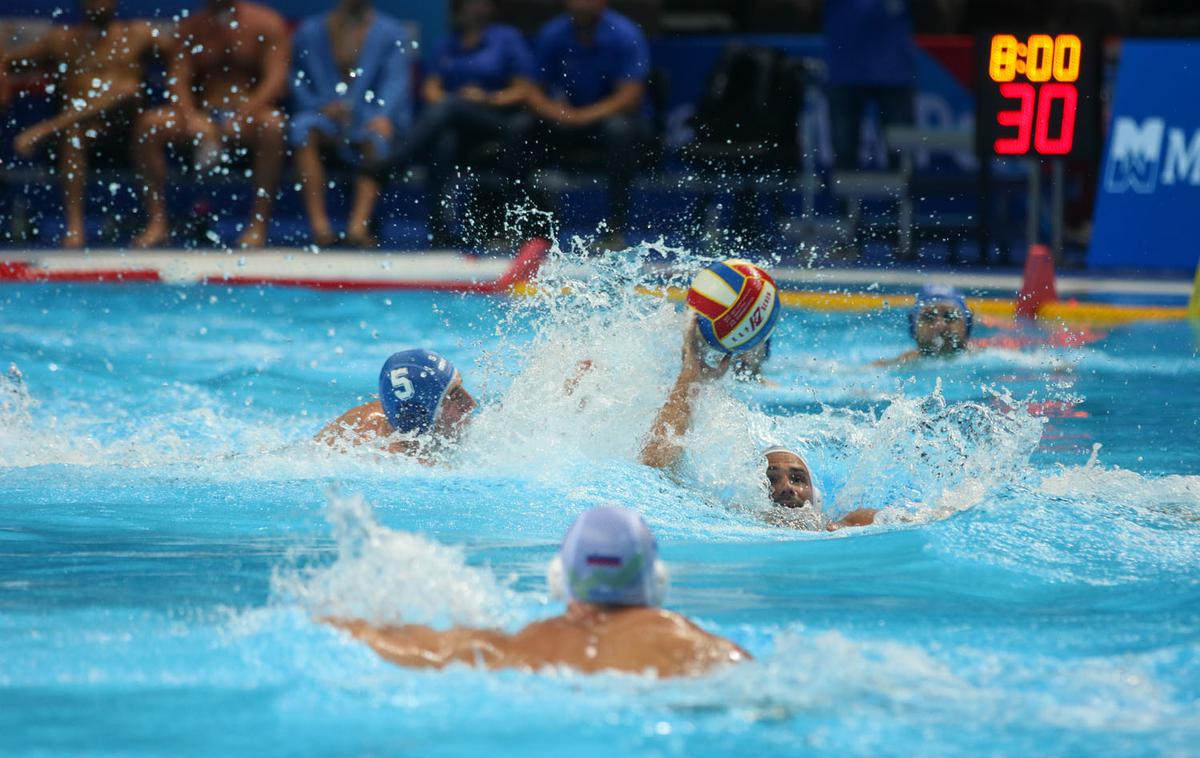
(608, 557)
(423, 394)
(940, 320)
(791, 480)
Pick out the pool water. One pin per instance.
(169, 530)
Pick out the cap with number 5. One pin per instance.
(412, 386)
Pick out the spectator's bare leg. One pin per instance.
(268, 163)
(366, 192)
(312, 189)
(72, 167)
(153, 131)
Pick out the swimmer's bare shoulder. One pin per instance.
(631, 639)
(362, 425)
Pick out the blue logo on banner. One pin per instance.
(1150, 186)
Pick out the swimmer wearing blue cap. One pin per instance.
(422, 406)
(940, 322)
(792, 484)
(608, 572)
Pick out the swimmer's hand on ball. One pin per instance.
(693, 366)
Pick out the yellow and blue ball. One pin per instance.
(736, 304)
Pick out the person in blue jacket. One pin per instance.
(351, 88)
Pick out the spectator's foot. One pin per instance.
(254, 236)
(324, 238)
(155, 234)
(72, 240)
(362, 240)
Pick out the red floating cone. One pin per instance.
(1037, 288)
(529, 259)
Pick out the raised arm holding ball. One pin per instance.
(735, 308)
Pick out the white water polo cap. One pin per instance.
(818, 498)
(608, 557)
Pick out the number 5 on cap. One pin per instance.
(402, 386)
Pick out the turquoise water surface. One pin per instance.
(169, 530)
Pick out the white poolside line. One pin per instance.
(184, 266)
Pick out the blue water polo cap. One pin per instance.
(412, 386)
(932, 294)
(609, 557)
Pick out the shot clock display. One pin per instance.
(1037, 95)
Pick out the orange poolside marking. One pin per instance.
(1065, 311)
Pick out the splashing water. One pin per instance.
(164, 544)
(393, 577)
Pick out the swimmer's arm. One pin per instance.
(581, 370)
(905, 357)
(858, 517)
(663, 450)
(424, 647)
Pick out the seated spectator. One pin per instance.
(479, 78)
(350, 85)
(226, 78)
(872, 59)
(592, 65)
(96, 69)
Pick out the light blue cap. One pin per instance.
(609, 557)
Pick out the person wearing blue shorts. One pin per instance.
(352, 95)
(608, 572)
(422, 408)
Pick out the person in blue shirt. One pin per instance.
(872, 59)
(352, 95)
(478, 83)
(592, 67)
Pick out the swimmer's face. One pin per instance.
(941, 329)
(790, 480)
(456, 410)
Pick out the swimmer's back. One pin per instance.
(630, 639)
(588, 639)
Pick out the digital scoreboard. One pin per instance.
(1038, 95)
